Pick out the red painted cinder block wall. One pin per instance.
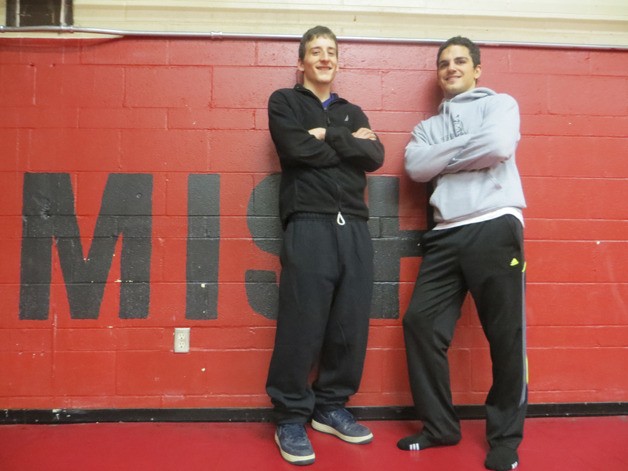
(164, 144)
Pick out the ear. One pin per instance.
(477, 71)
(300, 66)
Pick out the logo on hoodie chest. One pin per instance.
(458, 126)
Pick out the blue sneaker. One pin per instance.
(341, 423)
(294, 445)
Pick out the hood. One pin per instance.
(452, 125)
(471, 95)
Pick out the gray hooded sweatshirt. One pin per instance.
(468, 152)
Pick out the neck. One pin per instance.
(322, 91)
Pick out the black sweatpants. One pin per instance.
(325, 292)
(487, 260)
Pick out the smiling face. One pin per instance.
(456, 71)
(320, 62)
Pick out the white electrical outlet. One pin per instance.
(181, 339)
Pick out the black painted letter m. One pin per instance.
(49, 215)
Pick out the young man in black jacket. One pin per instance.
(325, 146)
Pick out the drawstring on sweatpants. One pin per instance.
(340, 220)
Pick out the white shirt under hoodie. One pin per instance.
(468, 151)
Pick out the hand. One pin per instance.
(365, 133)
(318, 133)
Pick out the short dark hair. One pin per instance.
(313, 33)
(474, 50)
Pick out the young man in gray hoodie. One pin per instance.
(467, 152)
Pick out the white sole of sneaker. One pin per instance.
(332, 431)
(295, 459)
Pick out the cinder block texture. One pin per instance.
(140, 194)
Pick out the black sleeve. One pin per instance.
(366, 154)
(295, 145)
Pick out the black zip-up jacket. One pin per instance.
(321, 177)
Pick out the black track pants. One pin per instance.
(487, 260)
(325, 295)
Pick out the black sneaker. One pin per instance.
(294, 445)
(341, 423)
